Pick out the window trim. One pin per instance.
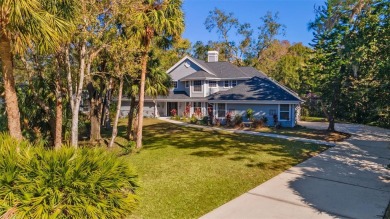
(215, 83)
(201, 87)
(225, 106)
(224, 84)
(289, 112)
(235, 83)
(175, 84)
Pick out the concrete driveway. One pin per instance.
(349, 180)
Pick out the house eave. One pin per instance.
(256, 101)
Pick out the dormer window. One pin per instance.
(198, 86)
(174, 84)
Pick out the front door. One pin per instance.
(171, 107)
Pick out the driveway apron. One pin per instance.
(349, 180)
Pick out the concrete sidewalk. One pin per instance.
(346, 181)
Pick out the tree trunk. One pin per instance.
(11, 99)
(130, 121)
(94, 113)
(118, 111)
(105, 120)
(77, 97)
(58, 115)
(69, 76)
(331, 124)
(141, 99)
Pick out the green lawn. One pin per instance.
(313, 119)
(186, 172)
(303, 132)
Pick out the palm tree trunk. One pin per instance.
(58, 115)
(141, 98)
(11, 99)
(130, 121)
(118, 111)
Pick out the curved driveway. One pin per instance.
(349, 180)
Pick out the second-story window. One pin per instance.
(212, 84)
(198, 86)
(174, 84)
(187, 84)
(234, 83)
(226, 84)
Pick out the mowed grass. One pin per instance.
(303, 132)
(186, 172)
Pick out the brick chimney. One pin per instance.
(212, 56)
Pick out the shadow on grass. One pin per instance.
(236, 147)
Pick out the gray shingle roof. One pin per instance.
(199, 75)
(256, 88)
(176, 95)
(252, 72)
(228, 70)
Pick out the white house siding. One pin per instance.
(182, 71)
(161, 108)
(125, 107)
(260, 110)
(197, 93)
(148, 109)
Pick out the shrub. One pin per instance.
(229, 121)
(257, 123)
(205, 120)
(193, 119)
(66, 183)
(237, 120)
(173, 112)
(264, 119)
(250, 114)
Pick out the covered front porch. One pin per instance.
(182, 108)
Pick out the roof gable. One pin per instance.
(195, 61)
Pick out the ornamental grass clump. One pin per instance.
(67, 183)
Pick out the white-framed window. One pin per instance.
(221, 109)
(226, 84)
(234, 83)
(284, 112)
(198, 86)
(212, 84)
(174, 84)
(187, 83)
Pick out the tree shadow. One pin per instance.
(243, 148)
(349, 180)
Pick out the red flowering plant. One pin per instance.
(173, 112)
(187, 110)
(198, 113)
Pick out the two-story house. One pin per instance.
(220, 87)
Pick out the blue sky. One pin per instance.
(294, 14)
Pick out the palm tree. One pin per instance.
(23, 24)
(157, 17)
(157, 82)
